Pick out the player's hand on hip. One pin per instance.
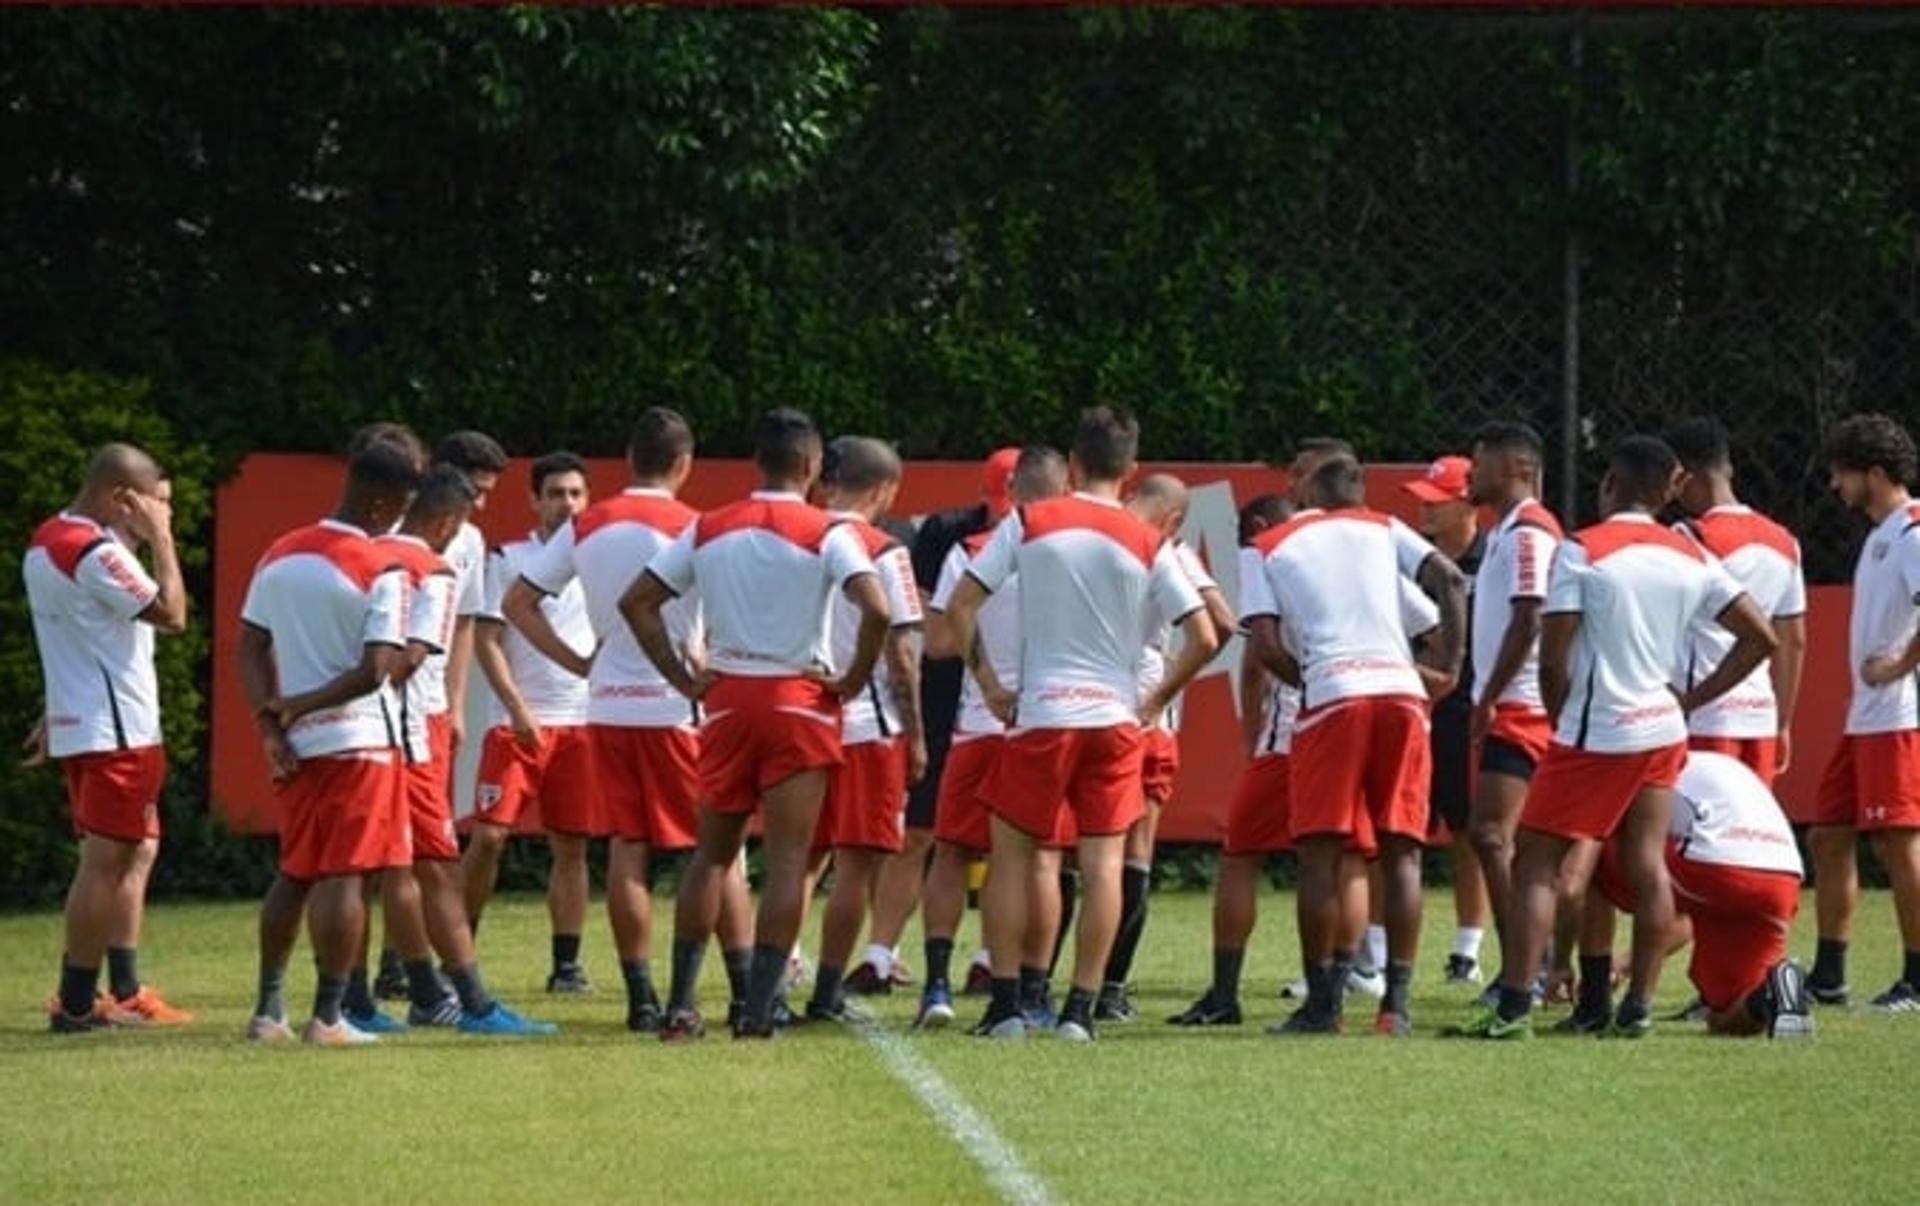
(282, 762)
(526, 731)
(35, 745)
(1879, 670)
(1482, 722)
(1002, 703)
(1150, 710)
(699, 683)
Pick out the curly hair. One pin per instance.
(1862, 442)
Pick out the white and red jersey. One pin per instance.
(1886, 609)
(1515, 565)
(323, 593)
(432, 597)
(86, 591)
(766, 569)
(557, 697)
(1637, 587)
(1340, 584)
(1283, 701)
(467, 554)
(873, 715)
(600, 554)
(997, 627)
(1764, 559)
(1092, 577)
(1723, 814)
(1153, 658)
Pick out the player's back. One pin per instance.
(1764, 559)
(1336, 583)
(873, 713)
(1724, 814)
(765, 582)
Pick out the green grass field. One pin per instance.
(1148, 1113)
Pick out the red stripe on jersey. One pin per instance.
(66, 540)
(351, 552)
(1609, 536)
(420, 561)
(1533, 515)
(1726, 532)
(974, 543)
(872, 539)
(789, 519)
(1052, 516)
(668, 516)
(1273, 537)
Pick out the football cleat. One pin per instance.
(143, 1008)
(569, 979)
(340, 1034)
(1901, 998)
(683, 1026)
(505, 1023)
(375, 1022)
(1792, 1008)
(1487, 1024)
(866, 980)
(936, 1007)
(1391, 1023)
(1115, 1004)
(1074, 1030)
(1462, 970)
(264, 1029)
(1208, 1012)
(1305, 1022)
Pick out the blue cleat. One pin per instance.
(375, 1022)
(936, 1007)
(503, 1021)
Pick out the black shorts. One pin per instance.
(1451, 790)
(1498, 756)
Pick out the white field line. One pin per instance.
(1014, 1181)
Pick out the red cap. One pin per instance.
(1446, 481)
(996, 476)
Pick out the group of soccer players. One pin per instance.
(664, 677)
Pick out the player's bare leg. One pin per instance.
(1136, 886)
(1642, 850)
(404, 915)
(480, 867)
(1593, 1004)
(943, 905)
(1360, 902)
(281, 911)
(1004, 915)
(129, 917)
(567, 911)
(1899, 851)
(1529, 916)
(1492, 828)
(1836, 896)
(336, 924)
(1323, 907)
(897, 894)
(790, 814)
(1046, 916)
(1576, 872)
(630, 915)
(1400, 883)
(855, 872)
(696, 913)
(94, 908)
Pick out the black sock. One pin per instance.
(685, 985)
(939, 960)
(768, 968)
(359, 997)
(1515, 1003)
(271, 1003)
(1399, 985)
(1632, 1009)
(1135, 882)
(1830, 963)
(391, 965)
(1033, 986)
(1227, 961)
(423, 987)
(739, 963)
(639, 979)
(566, 950)
(1323, 989)
(328, 997)
(1337, 977)
(1069, 897)
(826, 984)
(1078, 1007)
(475, 1001)
(1006, 998)
(1912, 973)
(1596, 984)
(77, 988)
(123, 976)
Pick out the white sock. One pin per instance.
(881, 958)
(1466, 942)
(982, 958)
(1377, 947)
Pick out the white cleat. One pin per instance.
(1071, 1031)
(1368, 982)
(264, 1029)
(341, 1034)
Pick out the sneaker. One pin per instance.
(1074, 1030)
(340, 1034)
(264, 1029)
(842, 1010)
(59, 1021)
(569, 979)
(866, 980)
(1115, 1004)
(504, 1022)
(1693, 1011)
(1585, 1021)
(784, 1018)
(443, 1013)
(645, 1016)
(1295, 990)
(936, 1007)
(1488, 1024)
(1304, 1021)
(750, 1031)
(1208, 1012)
(684, 1026)
(375, 1022)
(145, 1008)
(1367, 981)
(1631, 1027)
(1489, 997)
(1792, 1010)
(1828, 994)
(1040, 1014)
(1901, 998)
(1391, 1023)
(979, 980)
(390, 984)
(1004, 1028)
(1462, 970)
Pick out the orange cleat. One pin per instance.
(144, 1008)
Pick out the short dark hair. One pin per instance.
(1513, 439)
(556, 462)
(445, 490)
(1645, 466)
(1872, 441)
(859, 463)
(1106, 442)
(1038, 465)
(383, 465)
(1326, 445)
(660, 436)
(1701, 444)
(1261, 512)
(470, 452)
(1339, 481)
(781, 441)
(393, 433)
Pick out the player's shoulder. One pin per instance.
(1076, 513)
(1726, 531)
(790, 518)
(659, 511)
(66, 540)
(1616, 535)
(969, 546)
(347, 549)
(1351, 519)
(875, 539)
(1533, 514)
(413, 555)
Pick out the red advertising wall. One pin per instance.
(273, 493)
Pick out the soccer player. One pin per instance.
(1450, 519)
(643, 733)
(538, 747)
(1361, 760)
(95, 609)
(1736, 886)
(767, 568)
(1622, 595)
(1160, 500)
(962, 822)
(1094, 580)
(1873, 782)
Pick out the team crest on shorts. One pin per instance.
(489, 794)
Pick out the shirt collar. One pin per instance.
(1097, 499)
(341, 525)
(776, 495)
(647, 492)
(1630, 517)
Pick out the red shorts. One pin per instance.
(866, 800)
(116, 793)
(1524, 728)
(960, 815)
(429, 787)
(1873, 782)
(1092, 776)
(1361, 767)
(1257, 818)
(345, 814)
(1159, 765)
(1583, 794)
(1761, 755)
(560, 774)
(648, 784)
(763, 731)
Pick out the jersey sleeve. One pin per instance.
(896, 578)
(1532, 560)
(1567, 580)
(253, 611)
(550, 568)
(1256, 589)
(845, 560)
(472, 571)
(1419, 615)
(114, 578)
(387, 605)
(1908, 551)
(951, 568)
(1793, 600)
(430, 612)
(500, 576)
(1410, 548)
(1173, 593)
(673, 565)
(1194, 568)
(995, 562)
